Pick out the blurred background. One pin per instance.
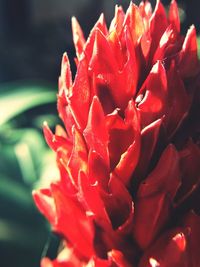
(33, 36)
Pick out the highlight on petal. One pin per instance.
(79, 99)
(171, 249)
(65, 79)
(118, 20)
(155, 93)
(188, 59)
(174, 15)
(78, 159)
(78, 38)
(158, 24)
(134, 21)
(95, 133)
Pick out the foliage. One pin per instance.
(23, 231)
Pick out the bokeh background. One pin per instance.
(33, 36)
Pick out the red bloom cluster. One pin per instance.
(129, 159)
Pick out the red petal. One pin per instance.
(192, 221)
(188, 60)
(155, 196)
(170, 44)
(78, 37)
(170, 250)
(65, 79)
(98, 171)
(174, 15)
(154, 102)
(116, 47)
(97, 262)
(55, 141)
(45, 203)
(128, 79)
(145, 10)
(158, 24)
(100, 26)
(80, 230)
(119, 199)
(65, 112)
(118, 258)
(190, 169)
(66, 258)
(149, 139)
(78, 159)
(117, 22)
(89, 195)
(95, 133)
(79, 100)
(134, 21)
(179, 102)
(102, 60)
(125, 154)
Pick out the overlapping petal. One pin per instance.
(129, 154)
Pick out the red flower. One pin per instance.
(129, 158)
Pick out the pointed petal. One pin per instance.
(126, 152)
(65, 79)
(174, 15)
(80, 230)
(78, 37)
(179, 102)
(158, 24)
(55, 141)
(99, 26)
(78, 159)
(155, 197)
(117, 200)
(117, 22)
(118, 258)
(192, 221)
(89, 195)
(170, 250)
(45, 203)
(79, 100)
(98, 171)
(154, 92)
(188, 60)
(149, 140)
(95, 133)
(190, 170)
(134, 21)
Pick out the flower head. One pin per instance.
(129, 154)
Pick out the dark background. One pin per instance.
(35, 33)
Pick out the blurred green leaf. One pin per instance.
(198, 42)
(15, 191)
(16, 99)
(23, 236)
(49, 170)
(24, 158)
(29, 152)
(21, 154)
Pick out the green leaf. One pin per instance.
(23, 236)
(198, 42)
(15, 192)
(21, 155)
(17, 98)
